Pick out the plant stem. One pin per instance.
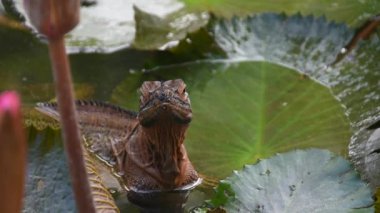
(70, 131)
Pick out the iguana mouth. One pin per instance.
(164, 110)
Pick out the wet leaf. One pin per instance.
(48, 182)
(198, 45)
(351, 12)
(372, 159)
(154, 32)
(307, 44)
(1, 9)
(248, 110)
(357, 87)
(365, 153)
(299, 181)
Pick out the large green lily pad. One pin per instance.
(311, 46)
(299, 181)
(249, 110)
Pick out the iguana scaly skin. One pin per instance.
(146, 148)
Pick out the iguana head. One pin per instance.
(164, 100)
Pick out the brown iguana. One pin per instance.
(146, 147)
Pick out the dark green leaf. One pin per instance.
(311, 46)
(248, 110)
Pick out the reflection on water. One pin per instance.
(159, 201)
(162, 201)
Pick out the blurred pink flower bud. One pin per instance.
(53, 18)
(12, 153)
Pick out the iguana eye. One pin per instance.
(181, 90)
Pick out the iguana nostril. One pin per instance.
(161, 97)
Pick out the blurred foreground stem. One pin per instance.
(70, 131)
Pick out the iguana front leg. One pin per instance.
(145, 167)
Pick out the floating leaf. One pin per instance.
(372, 159)
(198, 45)
(356, 86)
(306, 44)
(356, 83)
(248, 110)
(48, 182)
(154, 32)
(351, 12)
(365, 153)
(1, 9)
(299, 181)
(311, 46)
